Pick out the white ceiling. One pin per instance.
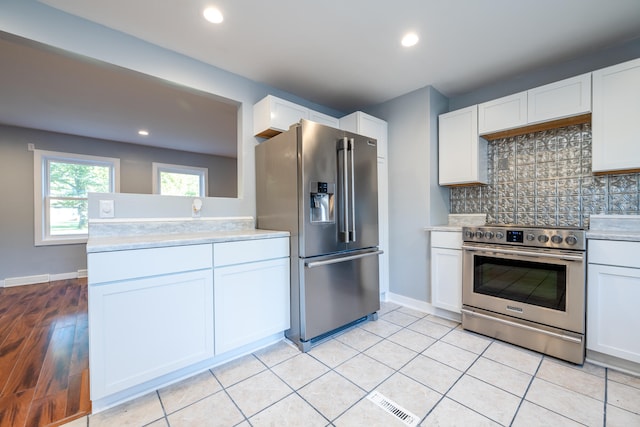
(345, 54)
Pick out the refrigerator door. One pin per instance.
(320, 220)
(337, 290)
(363, 189)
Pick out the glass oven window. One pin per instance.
(528, 282)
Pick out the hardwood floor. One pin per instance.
(44, 354)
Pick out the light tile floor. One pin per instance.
(428, 366)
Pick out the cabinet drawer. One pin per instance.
(121, 265)
(613, 252)
(229, 253)
(446, 239)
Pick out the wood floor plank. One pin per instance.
(44, 354)
(47, 410)
(54, 375)
(14, 409)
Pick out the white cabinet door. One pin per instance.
(367, 125)
(251, 302)
(446, 279)
(143, 328)
(272, 116)
(462, 154)
(612, 313)
(616, 109)
(566, 98)
(324, 119)
(504, 113)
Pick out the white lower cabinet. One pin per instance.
(612, 295)
(251, 282)
(141, 328)
(160, 312)
(251, 302)
(446, 270)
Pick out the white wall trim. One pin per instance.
(41, 278)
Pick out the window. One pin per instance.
(62, 182)
(176, 180)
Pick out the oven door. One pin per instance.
(544, 286)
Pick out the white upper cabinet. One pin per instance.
(324, 119)
(616, 109)
(558, 100)
(364, 124)
(462, 154)
(566, 98)
(272, 116)
(508, 112)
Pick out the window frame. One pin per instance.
(41, 159)
(202, 173)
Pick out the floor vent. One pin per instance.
(394, 409)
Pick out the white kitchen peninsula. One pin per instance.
(171, 298)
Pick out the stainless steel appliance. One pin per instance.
(526, 285)
(320, 184)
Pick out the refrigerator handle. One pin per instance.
(352, 149)
(344, 231)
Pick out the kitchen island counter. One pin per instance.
(113, 235)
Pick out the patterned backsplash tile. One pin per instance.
(545, 179)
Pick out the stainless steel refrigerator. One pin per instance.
(320, 184)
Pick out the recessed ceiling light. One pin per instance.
(143, 132)
(410, 39)
(213, 15)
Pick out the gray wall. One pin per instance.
(415, 199)
(18, 255)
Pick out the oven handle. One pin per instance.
(518, 325)
(524, 253)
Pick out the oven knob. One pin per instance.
(499, 235)
(479, 234)
(531, 237)
(468, 234)
(556, 239)
(543, 238)
(571, 240)
(489, 234)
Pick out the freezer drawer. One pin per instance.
(337, 290)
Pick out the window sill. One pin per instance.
(53, 241)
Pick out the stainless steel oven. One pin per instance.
(526, 286)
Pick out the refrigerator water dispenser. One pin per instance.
(321, 198)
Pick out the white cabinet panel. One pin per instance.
(446, 270)
(566, 98)
(616, 108)
(324, 119)
(612, 313)
(229, 253)
(614, 252)
(273, 115)
(251, 302)
(462, 154)
(504, 113)
(446, 279)
(142, 329)
(120, 265)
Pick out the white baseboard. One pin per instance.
(25, 280)
(40, 278)
(83, 273)
(423, 306)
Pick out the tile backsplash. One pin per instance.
(545, 179)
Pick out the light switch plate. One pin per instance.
(106, 209)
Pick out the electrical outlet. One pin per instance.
(106, 209)
(31, 146)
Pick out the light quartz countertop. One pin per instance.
(108, 236)
(614, 227)
(445, 227)
(457, 221)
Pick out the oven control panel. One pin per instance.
(557, 238)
